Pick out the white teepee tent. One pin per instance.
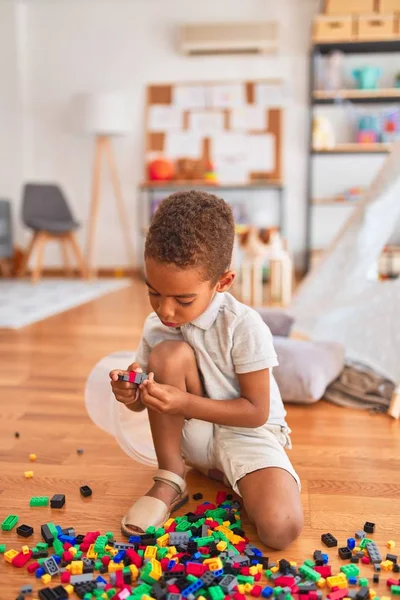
(340, 301)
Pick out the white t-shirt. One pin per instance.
(228, 338)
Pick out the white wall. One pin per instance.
(93, 45)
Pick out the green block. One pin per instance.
(98, 564)
(216, 593)
(58, 547)
(160, 532)
(203, 541)
(206, 556)
(88, 596)
(151, 530)
(364, 542)
(183, 526)
(363, 582)
(237, 524)
(203, 592)
(162, 553)
(217, 513)
(232, 548)
(41, 560)
(268, 574)
(2, 548)
(141, 589)
(39, 501)
(309, 563)
(277, 590)
(288, 596)
(309, 573)
(350, 570)
(141, 553)
(245, 578)
(110, 593)
(9, 522)
(395, 589)
(191, 578)
(109, 536)
(41, 546)
(100, 543)
(145, 574)
(53, 529)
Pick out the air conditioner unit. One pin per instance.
(229, 38)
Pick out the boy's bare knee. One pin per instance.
(171, 354)
(279, 530)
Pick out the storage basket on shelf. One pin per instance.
(389, 6)
(333, 29)
(376, 27)
(349, 7)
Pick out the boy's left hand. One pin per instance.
(163, 398)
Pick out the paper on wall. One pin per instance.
(227, 95)
(230, 158)
(249, 118)
(183, 144)
(261, 152)
(189, 96)
(270, 94)
(206, 123)
(163, 117)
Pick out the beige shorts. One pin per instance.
(235, 451)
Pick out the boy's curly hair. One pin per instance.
(193, 229)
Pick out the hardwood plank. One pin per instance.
(348, 460)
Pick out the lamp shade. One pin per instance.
(106, 114)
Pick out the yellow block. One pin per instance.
(9, 555)
(168, 523)
(69, 589)
(150, 552)
(339, 581)
(25, 549)
(28, 474)
(386, 565)
(163, 540)
(356, 549)
(112, 566)
(200, 598)
(72, 550)
(253, 570)
(248, 587)
(391, 544)
(293, 563)
(134, 570)
(214, 564)
(274, 569)
(146, 597)
(240, 588)
(32, 457)
(372, 594)
(46, 578)
(221, 546)
(224, 523)
(91, 553)
(111, 550)
(76, 567)
(156, 571)
(321, 582)
(236, 539)
(385, 598)
(171, 552)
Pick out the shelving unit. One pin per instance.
(339, 98)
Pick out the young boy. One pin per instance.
(211, 397)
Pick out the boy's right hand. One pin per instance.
(125, 392)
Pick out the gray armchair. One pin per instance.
(45, 210)
(6, 244)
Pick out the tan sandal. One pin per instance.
(148, 511)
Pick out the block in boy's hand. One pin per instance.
(133, 377)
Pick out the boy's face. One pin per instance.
(179, 296)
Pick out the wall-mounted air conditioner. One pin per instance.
(229, 38)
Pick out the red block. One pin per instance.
(295, 589)
(171, 528)
(32, 567)
(211, 524)
(257, 577)
(67, 546)
(84, 547)
(21, 559)
(202, 508)
(203, 550)
(195, 569)
(67, 556)
(134, 557)
(238, 596)
(256, 591)
(391, 581)
(173, 589)
(338, 595)
(325, 571)
(365, 560)
(240, 547)
(106, 560)
(221, 497)
(313, 595)
(245, 571)
(178, 569)
(284, 580)
(164, 563)
(65, 577)
(119, 579)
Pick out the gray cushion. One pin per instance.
(52, 226)
(306, 368)
(278, 320)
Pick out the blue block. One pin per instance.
(325, 558)
(67, 538)
(352, 580)
(171, 565)
(57, 558)
(119, 556)
(101, 580)
(197, 555)
(256, 551)
(59, 530)
(267, 592)
(218, 572)
(39, 572)
(134, 539)
(351, 543)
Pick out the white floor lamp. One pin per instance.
(106, 115)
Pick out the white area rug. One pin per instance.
(22, 303)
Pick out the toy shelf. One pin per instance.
(354, 148)
(334, 202)
(273, 184)
(372, 47)
(357, 96)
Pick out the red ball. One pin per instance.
(161, 169)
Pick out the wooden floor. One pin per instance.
(349, 461)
